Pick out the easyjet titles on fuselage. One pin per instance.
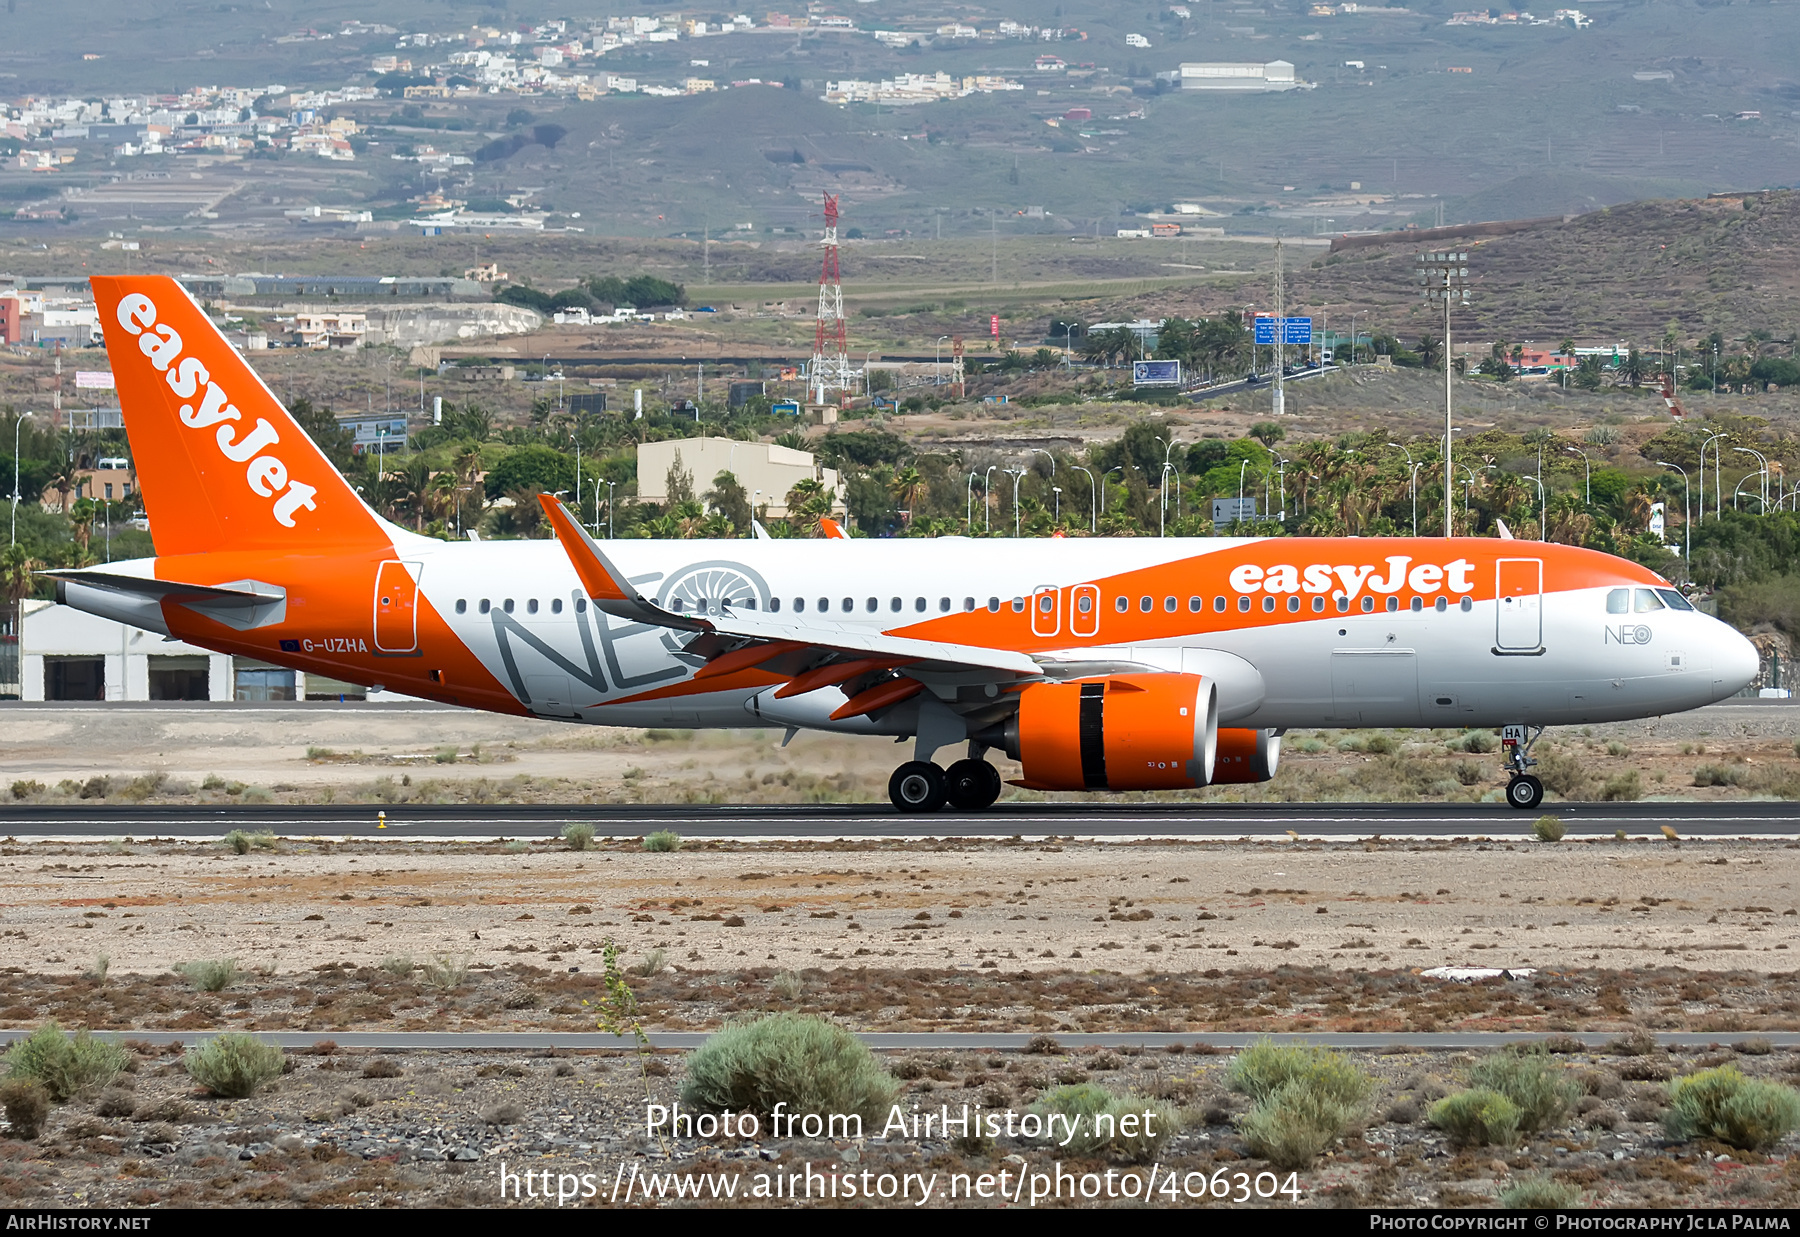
(267, 475)
(1350, 579)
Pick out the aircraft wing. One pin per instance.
(613, 593)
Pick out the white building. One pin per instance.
(767, 472)
(69, 654)
(1275, 75)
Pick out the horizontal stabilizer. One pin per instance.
(240, 604)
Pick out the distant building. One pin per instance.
(767, 472)
(341, 329)
(1275, 75)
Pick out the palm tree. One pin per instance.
(906, 486)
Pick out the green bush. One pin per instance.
(663, 840)
(804, 1062)
(1479, 1118)
(1101, 1119)
(578, 836)
(1264, 1068)
(1294, 1123)
(65, 1065)
(1626, 787)
(1539, 1194)
(1724, 1105)
(446, 971)
(234, 1065)
(1305, 1099)
(210, 975)
(1530, 1080)
(242, 842)
(1548, 829)
(1479, 742)
(27, 1107)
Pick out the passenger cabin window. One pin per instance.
(508, 605)
(531, 606)
(943, 605)
(993, 605)
(1195, 605)
(1318, 605)
(1418, 604)
(894, 605)
(1440, 605)
(581, 605)
(1393, 604)
(919, 605)
(1218, 605)
(873, 604)
(1018, 604)
(462, 605)
(1368, 604)
(486, 605)
(1268, 605)
(1168, 605)
(556, 605)
(1648, 602)
(1468, 604)
(1293, 605)
(1243, 605)
(1619, 601)
(1145, 604)
(774, 605)
(1121, 604)
(968, 604)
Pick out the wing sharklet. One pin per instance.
(609, 588)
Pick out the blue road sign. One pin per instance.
(1293, 330)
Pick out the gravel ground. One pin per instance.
(418, 1129)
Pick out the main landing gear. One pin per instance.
(967, 786)
(1524, 791)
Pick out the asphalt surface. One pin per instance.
(525, 1041)
(1224, 821)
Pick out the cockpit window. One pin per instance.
(1675, 599)
(1648, 602)
(1619, 601)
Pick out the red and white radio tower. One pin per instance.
(831, 370)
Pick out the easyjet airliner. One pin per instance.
(1137, 664)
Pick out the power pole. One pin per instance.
(1280, 404)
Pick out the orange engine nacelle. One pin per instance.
(1246, 755)
(1123, 732)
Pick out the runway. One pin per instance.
(1739, 819)
(988, 1041)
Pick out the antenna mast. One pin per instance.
(830, 370)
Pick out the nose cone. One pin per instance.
(1736, 663)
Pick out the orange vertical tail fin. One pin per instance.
(222, 464)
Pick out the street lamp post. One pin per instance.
(1103, 476)
(1543, 510)
(937, 372)
(1764, 461)
(1057, 490)
(1093, 496)
(1588, 491)
(1445, 277)
(1018, 475)
(17, 422)
(987, 507)
(1701, 479)
(610, 504)
(1687, 532)
(969, 504)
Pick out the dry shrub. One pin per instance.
(1305, 1099)
(1103, 1118)
(1539, 1194)
(65, 1065)
(234, 1065)
(806, 1063)
(1541, 1090)
(1478, 1118)
(1724, 1105)
(27, 1107)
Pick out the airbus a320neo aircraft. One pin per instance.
(1132, 664)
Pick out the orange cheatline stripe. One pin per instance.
(826, 676)
(881, 695)
(743, 659)
(583, 554)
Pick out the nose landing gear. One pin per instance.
(1524, 791)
